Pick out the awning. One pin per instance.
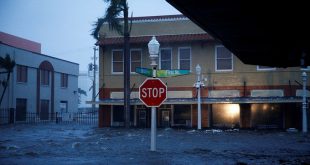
(258, 32)
(204, 100)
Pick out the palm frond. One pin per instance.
(97, 25)
(112, 17)
(7, 63)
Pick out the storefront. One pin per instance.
(245, 113)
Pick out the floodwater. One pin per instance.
(80, 144)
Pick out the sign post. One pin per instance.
(153, 92)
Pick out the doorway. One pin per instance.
(44, 111)
(142, 118)
(21, 109)
(165, 119)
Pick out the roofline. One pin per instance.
(160, 38)
(158, 18)
(38, 53)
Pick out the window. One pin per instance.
(165, 59)
(185, 58)
(45, 77)
(224, 59)
(182, 114)
(21, 73)
(259, 67)
(64, 80)
(63, 106)
(135, 58)
(117, 61)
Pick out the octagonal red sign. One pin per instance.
(153, 92)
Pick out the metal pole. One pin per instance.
(94, 81)
(153, 130)
(199, 102)
(304, 103)
(153, 46)
(153, 121)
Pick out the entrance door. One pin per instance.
(165, 120)
(21, 109)
(44, 110)
(142, 118)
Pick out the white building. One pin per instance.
(39, 84)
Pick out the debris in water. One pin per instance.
(76, 144)
(291, 130)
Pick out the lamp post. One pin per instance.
(153, 46)
(304, 103)
(198, 85)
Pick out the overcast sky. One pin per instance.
(63, 27)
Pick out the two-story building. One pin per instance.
(39, 84)
(235, 94)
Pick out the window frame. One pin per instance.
(159, 59)
(136, 49)
(190, 57)
(64, 80)
(63, 102)
(43, 76)
(112, 61)
(216, 63)
(21, 74)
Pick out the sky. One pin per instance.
(63, 27)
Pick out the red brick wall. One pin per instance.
(104, 117)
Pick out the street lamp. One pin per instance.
(304, 103)
(198, 85)
(153, 46)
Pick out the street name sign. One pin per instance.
(162, 73)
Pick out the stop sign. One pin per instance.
(153, 92)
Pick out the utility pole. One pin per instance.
(94, 80)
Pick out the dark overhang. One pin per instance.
(258, 32)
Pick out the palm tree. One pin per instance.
(8, 64)
(81, 92)
(113, 12)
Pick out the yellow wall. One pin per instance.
(203, 53)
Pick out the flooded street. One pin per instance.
(79, 144)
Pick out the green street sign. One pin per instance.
(145, 71)
(171, 73)
(162, 73)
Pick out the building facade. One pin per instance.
(235, 94)
(39, 83)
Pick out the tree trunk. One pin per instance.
(126, 67)
(6, 85)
